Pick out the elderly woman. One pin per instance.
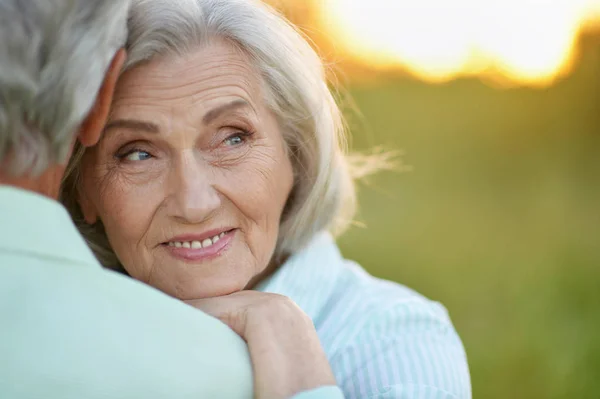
(219, 177)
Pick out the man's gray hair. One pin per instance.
(53, 58)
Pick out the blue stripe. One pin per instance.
(382, 339)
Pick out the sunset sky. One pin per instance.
(520, 41)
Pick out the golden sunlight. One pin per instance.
(521, 41)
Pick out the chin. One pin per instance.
(199, 287)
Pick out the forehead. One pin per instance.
(207, 74)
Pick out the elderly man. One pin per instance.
(71, 329)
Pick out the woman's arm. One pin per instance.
(286, 354)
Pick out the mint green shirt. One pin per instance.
(72, 330)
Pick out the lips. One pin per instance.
(197, 248)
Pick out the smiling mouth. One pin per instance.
(197, 244)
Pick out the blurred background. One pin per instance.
(495, 105)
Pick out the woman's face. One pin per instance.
(191, 176)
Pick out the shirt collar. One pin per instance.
(309, 276)
(39, 226)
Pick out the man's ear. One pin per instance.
(93, 125)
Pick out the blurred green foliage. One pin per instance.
(499, 220)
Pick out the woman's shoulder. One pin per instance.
(386, 331)
(383, 340)
(342, 297)
(385, 307)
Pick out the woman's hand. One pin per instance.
(286, 354)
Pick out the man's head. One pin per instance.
(59, 61)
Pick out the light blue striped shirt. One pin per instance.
(382, 339)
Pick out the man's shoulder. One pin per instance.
(64, 286)
(88, 326)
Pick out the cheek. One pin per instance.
(126, 209)
(259, 188)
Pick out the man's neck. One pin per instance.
(48, 183)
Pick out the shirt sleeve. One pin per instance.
(405, 354)
(328, 392)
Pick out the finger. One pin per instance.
(230, 312)
(212, 306)
(227, 302)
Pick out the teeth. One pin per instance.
(197, 244)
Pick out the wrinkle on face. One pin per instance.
(194, 180)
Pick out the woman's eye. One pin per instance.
(137, 155)
(235, 139)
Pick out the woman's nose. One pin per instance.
(194, 198)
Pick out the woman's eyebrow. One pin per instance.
(150, 127)
(216, 112)
(133, 124)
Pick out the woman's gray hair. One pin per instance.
(323, 195)
(53, 58)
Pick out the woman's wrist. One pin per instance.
(286, 352)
